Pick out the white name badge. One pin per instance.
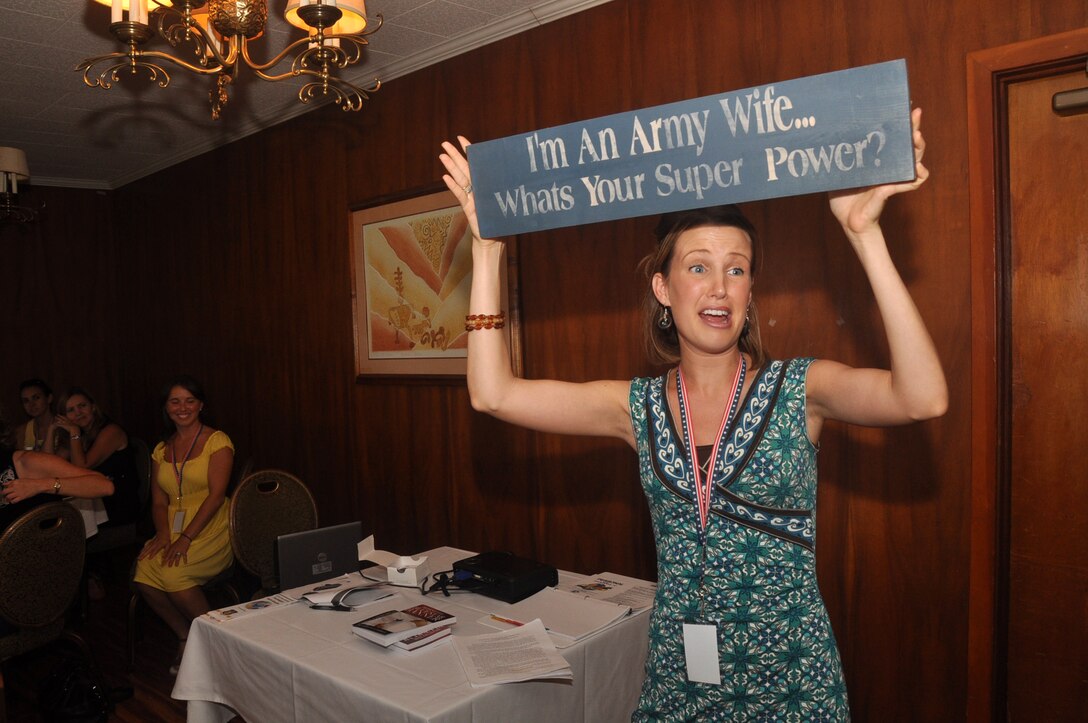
(701, 653)
(179, 521)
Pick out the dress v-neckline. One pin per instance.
(730, 428)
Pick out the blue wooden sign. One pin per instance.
(846, 129)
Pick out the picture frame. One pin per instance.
(411, 276)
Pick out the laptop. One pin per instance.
(303, 558)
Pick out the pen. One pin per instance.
(508, 621)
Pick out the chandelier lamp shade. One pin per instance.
(215, 35)
(13, 169)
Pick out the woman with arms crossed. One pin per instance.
(29, 479)
(726, 444)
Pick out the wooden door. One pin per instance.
(1027, 658)
(1047, 557)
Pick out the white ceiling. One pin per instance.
(82, 137)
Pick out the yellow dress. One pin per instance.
(210, 553)
(30, 441)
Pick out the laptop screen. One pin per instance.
(311, 556)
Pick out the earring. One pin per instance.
(747, 325)
(665, 321)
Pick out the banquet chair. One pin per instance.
(268, 503)
(238, 473)
(41, 563)
(114, 536)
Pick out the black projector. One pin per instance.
(503, 576)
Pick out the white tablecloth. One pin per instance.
(93, 511)
(297, 664)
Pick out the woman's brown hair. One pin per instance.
(663, 344)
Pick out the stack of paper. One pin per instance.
(569, 618)
(511, 656)
(620, 589)
(233, 612)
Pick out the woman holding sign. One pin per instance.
(726, 441)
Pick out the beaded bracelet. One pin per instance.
(475, 322)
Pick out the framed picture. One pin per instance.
(412, 272)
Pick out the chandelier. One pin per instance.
(13, 169)
(218, 33)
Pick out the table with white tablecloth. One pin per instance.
(293, 663)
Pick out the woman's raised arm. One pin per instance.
(592, 408)
(914, 388)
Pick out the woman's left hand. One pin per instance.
(177, 552)
(859, 210)
(459, 180)
(22, 488)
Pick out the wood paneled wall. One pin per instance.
(235, 267)
(60, 296)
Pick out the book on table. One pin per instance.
(420, 640)
(391, 626)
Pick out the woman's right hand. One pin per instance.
(153, 546)
(66, 424)
(459, 181)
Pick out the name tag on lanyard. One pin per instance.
(179, 521)
(701, 653)
(701, 639)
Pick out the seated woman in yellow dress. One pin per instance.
(190, 469)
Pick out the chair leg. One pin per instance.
(84, 649)
(132, 628)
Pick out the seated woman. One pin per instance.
(92, 440)
(37, 399)
(191, 469)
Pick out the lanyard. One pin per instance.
(704, 486)
(179, 472)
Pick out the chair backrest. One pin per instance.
(268, 503)
(41, 564)
(141, 456)
(238, 472)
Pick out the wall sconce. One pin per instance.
(13, 169)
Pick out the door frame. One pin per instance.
(989, 74)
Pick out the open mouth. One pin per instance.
(716, 316)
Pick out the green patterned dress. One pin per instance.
(777, 654)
